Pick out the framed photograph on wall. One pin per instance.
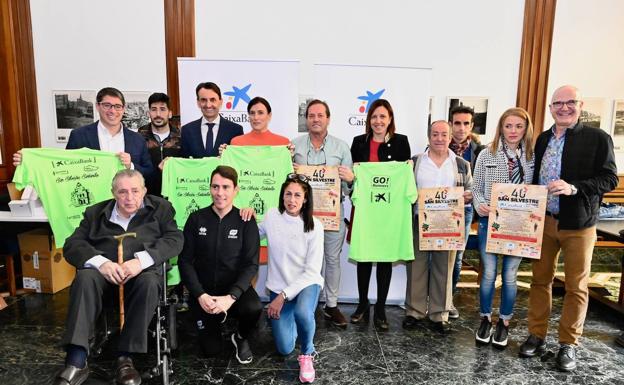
(617, 125)
(72, 109)
(594, 113)
(478, 104)
(137, 109)
(302, 126)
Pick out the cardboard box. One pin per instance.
(44, 268)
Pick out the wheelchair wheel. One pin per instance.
(171, 325)
(165, 369)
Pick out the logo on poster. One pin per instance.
(365, 101)
(234, 97)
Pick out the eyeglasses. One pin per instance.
(301, 177)
(569, 103)
(108, 106)
(320, 156)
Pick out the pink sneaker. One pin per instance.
(306, 369)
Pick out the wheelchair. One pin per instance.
(162, 329)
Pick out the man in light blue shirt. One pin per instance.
(319, 148)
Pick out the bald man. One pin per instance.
(577, 164)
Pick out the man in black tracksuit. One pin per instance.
(217, 264)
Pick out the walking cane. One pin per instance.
(120, 260)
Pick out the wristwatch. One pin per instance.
(574, 189)
(284, 296)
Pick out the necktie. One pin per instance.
(209, 140)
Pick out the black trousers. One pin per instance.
(85, 305)
(247, 310)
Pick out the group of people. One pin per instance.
(219, 247)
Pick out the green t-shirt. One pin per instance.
(186, 184)
(67, 181)
(261, 172)
(382, 226)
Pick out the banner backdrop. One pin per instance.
(240, 81)
(350, 89)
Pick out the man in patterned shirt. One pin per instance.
(577, 164)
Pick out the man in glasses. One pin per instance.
(577, 164)
(108, 134)
(320, 148)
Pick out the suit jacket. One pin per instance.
(588, 163)
(194, 146)
(87, 136)
(154, 224)
(397, 148)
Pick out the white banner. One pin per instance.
(241, 81)
(350, 89)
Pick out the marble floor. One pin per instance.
(31, 327)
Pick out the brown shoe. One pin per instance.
(334, 315)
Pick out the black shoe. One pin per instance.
(501, 334)
(243, 352)
(379, 320)
(411, 323)
(442, 327)
(484, 333)
(532, 346)
(125, 373)
(453, 312)
(566, 358)
(620, 340)
(362, 311)
(71, 375)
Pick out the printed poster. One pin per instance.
(325, 183)
(516, 221)
(441, 218)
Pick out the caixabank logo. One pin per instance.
(364, 103)
(236, 100)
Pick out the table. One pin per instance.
(610, 230)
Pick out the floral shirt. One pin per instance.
(551, 168)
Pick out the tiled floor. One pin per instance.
(31, 327)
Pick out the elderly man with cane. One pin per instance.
(146, 226)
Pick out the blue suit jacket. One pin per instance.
(194, 146)
(135, 145)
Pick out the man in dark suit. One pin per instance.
(202, 137)
(104, 134)
(92, 249)
(108, 134)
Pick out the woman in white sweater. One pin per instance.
(295, 240)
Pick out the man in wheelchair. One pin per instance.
(217, 264)
(92, 249)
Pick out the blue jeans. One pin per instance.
(468, 214)
(488, 277)
(296, 321)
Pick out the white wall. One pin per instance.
(472, 46)
(88, 45)
(587, 52)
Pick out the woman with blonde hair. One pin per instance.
(508, 159)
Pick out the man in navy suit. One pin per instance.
(108, 134)
(202, 137)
